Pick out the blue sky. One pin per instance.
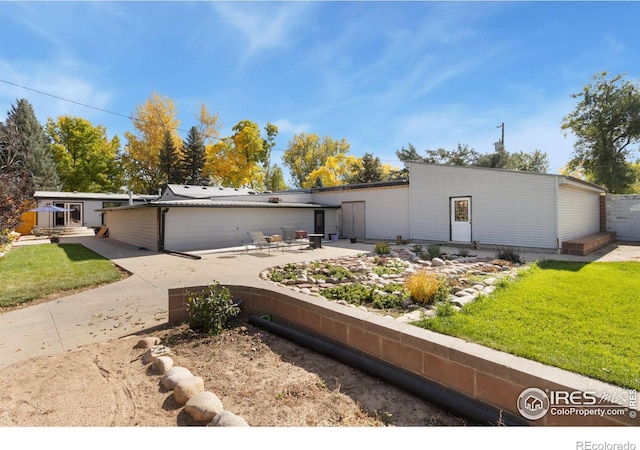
(379, 74)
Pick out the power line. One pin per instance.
(126, 116)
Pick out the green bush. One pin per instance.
(382, 248)
(354, 294)
(338, 272)
(434, 251)
(289, 271)
(211, 309)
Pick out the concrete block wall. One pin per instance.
(492, 377)
(623, 216)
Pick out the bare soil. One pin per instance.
(267, 380)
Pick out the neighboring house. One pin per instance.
(189, 218)
(84, 207)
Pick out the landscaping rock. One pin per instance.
(187, 388)
(228, 419)
(155, 352)
(147, 342)
(162, 364)
(174, 375)
(437, 262)
(203, 406)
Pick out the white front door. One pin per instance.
(461, 219)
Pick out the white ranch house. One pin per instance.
(440, 203)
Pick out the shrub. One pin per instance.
(288, 272)
(338, 272)
(354, 294)
(434, 251)
(426, 287)
(464, 252)
(417, 249)
(211, 309)
(382, 248)
(509, 254)
(390, 267)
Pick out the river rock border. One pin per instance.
(471, 277)
(204, 407)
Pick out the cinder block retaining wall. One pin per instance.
(492, 377)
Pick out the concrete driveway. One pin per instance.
(139, 302)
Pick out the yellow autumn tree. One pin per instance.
(151, 121)
(308, 152)
(237, 160)
(337, 170)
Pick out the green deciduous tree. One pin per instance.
(606, 123)
(308, 152)
(369, 169)
(86, 159)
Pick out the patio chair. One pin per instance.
(290, 238)
(259, 240)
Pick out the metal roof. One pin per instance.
(190, 191)
(91, 196)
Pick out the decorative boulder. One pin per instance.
(203, 406)
(174, 375)
(228, 419)
(154, 352)
(187, 388)
(148, 342)
(162, 364)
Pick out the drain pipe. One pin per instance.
(459, 404)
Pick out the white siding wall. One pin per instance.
(137, 227)
(92, 218)
(507, 208)
(386, 208)
(189, 229)
(579, 212)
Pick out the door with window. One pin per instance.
(461, 219)
(73, 215)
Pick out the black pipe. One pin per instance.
(185, 255)
(459, 404)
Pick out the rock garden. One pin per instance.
(407, 284)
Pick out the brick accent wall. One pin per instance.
(492, 377)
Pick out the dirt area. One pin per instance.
(267, 380)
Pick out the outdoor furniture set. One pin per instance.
(290, 238)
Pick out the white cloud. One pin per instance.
(263, 28)
(285, 126)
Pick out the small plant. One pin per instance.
(54, 239)
(445, 309)
(464, 252)
(289, 271)
(354, 294)
(382, 248)
(434, 251)
(211, 309)
(389, 267)
(509, 254)
(417, 249)
(426, 287)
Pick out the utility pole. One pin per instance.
(502, 137)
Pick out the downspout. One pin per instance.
(161, 227)
(459, 404)
(161, 234)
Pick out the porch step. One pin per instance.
(584, 245)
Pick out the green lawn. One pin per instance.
(33, 272)
(582, 317)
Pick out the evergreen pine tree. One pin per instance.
(194, 157)
(38, 157)
(169, 163)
